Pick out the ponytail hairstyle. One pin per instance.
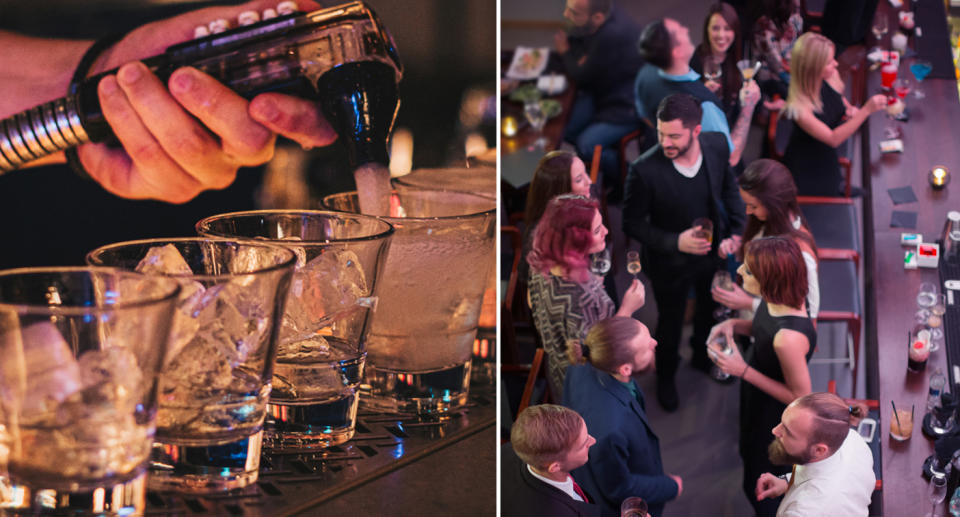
(833, 418)
(606, 345)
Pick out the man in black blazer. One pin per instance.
(546, 443)
(685, 177)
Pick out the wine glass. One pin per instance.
(920, 70)
(937, 492)
(537, 117)
(633, 263)
(712, 70)
(722, 280)
(880, 26)
(901, 87)
(927, 295)
(748, 68)
(600, 262)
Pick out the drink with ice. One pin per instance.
(81, 349)
(421, 336)
(214, 385)
(321, 353)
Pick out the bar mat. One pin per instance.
(934, 45)
(903, 219)
(902, 195)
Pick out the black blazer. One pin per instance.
(644, 195)
(522, 495)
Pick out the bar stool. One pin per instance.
(840, 303)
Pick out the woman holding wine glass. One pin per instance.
(823, 119)
(717, 55)
(770, 198)
(565, 297)
(774, 372)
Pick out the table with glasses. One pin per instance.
(891, 291)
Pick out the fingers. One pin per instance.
(297, 119)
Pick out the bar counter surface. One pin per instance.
(930, 138)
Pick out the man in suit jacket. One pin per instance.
(684, 178)
(625, 462)
(546, 443)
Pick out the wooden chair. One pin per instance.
(645, 138)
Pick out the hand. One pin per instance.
(560, 42)
(749, 94)
(775, 104)
(875, 103)
(729, 246)
(713, 86)
(688, 242)
(633, 298)
(850, 112)
(679, 483)
(769, 485)
(737, 299)
(193, 133)
(724, 328)
(732, 364)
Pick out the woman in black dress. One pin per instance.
(774, 371)
(720, 50)
(823, 119)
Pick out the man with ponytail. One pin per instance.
(833, 466)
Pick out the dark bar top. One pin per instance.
(929, 138)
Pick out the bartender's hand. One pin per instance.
(193, 133)
(769, 486)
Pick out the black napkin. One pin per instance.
(903, 219)
(902, 195)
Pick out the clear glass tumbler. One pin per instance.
(81, 349)
(322, 349)
(215, 382)
(420, 342)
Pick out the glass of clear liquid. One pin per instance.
(726, 349)
(937, 492)
(927, 295)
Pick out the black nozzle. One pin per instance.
(360, 100)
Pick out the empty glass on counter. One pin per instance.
(215, 382)
(322, 345)
(80, 348)
(421, 338)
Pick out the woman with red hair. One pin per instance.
(565, 297)
(775, 369)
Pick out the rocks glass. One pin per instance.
(322, 347)
(215, 383)
(420, 341)
(81, 349)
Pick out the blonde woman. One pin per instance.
(822, 117)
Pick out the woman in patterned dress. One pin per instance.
(565, 297)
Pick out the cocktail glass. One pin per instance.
(81, 349)
(420, 341)
(748, 68)
(920, 70)
(215, 383)
(322, 347)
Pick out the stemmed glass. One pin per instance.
(600, 262)
(920, 70)
(893, 110)
(748, 68)
(712, 70)
(722, 280)
(880, 26)
(633, 263)
(537, 117)
(937, 492)
(935, 321)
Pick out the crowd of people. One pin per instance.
(698, 207)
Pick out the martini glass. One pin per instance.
(748, 68)
(920, 70)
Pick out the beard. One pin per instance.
(779, 456)
(578, 31)
(678, 152)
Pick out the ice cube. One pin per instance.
(164, 260)
(41, 367)
(321, 291)
(117, 366)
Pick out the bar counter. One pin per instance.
(930, 137)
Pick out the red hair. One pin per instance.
(563, 236)
(778, 266)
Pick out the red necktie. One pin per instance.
(579, 491)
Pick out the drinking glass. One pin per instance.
(81, 349)
(600, 262)
(936, 492)
(215, 383)
(935, 321)
(322, 345)
(706, 229)
(633, 507)
(893, 110)
(421, 336)
(726, 348)
(901, 87)
(722, 280)
(901, 423)
(880, 26)
(927, 294)
(888, 74)
(537, 117)
(712, 70)
(920, 70)
(748, 68)
(633, 263)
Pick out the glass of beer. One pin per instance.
(705, 231)
(633, 507)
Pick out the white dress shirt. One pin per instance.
(839, 485)
(565, 486)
